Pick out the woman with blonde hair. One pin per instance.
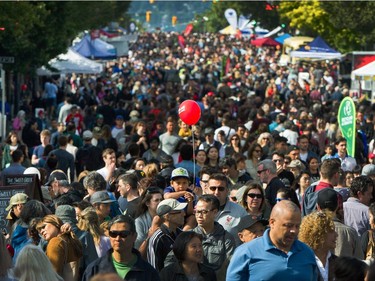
(89, 221)
(64, 250)
(151, 170)
(33, 265)
(318, 232)
(265, 140)
(254, 202)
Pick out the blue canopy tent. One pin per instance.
(95, 48)
(316, 49)
(281, 38)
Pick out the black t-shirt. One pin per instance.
(132, 207)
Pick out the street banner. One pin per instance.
(188, 29)
(347, 123)
(231, 16)
(181, 41)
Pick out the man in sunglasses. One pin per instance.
(229, 213)
(122, 259)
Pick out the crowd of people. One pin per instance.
(261, 188)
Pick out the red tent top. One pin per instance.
(266, 41)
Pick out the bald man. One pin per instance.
(277, 255)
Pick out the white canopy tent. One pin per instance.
(71, 62)
(363, 78)
(315, 55)
(366, 70)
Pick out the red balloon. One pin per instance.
(189, 112)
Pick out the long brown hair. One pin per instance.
(68, 237)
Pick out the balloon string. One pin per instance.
(192, 130)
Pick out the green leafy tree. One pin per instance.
(347, 26)
(35, 32)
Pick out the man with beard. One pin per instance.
(278, 255)
(154, 152)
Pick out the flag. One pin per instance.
(231, 16)
(181, 41)
(347, 122)
(188, 29)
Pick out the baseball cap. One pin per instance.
(66, 213)
(368, 170)
(101, 197)
(119, 117)
(327, 199)
(19, 198)
(99, 116)
(292, 147)
(296, 164)
(87, 135)
(180, 173)
(248, 221)
(56, 176)
(168, 205)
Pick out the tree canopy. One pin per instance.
(35, 32)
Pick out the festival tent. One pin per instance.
(367, 70)
(316, 49)
(281, 38)
(265, 41)
(95, 48)
(71, 62)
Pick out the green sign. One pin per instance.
(347, 123)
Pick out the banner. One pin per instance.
(181, 41)
(188, 29)
(347, 123)
(231, 16)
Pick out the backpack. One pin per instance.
(309, 200)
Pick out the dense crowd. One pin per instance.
(261, 188)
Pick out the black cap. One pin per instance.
(56, 176)
(327, 199)
(248, 221)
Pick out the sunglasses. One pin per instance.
(259, 172)
(220, 188)
(122, 234)
(277, 160)
(234, 198)
(255, 195)
(201, 212)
